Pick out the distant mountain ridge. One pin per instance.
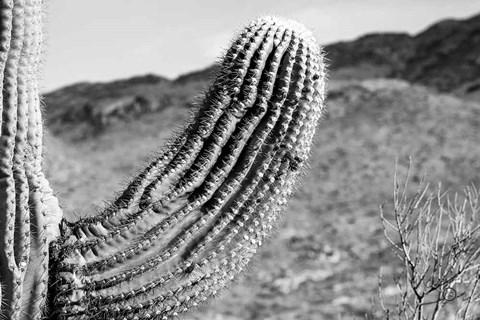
(444, 57)
(84, 109)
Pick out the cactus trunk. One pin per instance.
(29, 213)
(191, 221)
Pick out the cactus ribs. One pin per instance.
(189, 222)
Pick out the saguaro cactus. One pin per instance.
(189, 222)
(29, 213)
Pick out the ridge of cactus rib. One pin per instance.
(192, 220)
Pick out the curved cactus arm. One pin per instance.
(192, 220)
(29, 212)
(187, 224)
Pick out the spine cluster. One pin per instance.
(192, 220)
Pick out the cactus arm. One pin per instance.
(193, 219)
(186, 225)
(29, 213)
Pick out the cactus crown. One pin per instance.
(189, 222)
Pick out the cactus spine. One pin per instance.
(188, 223)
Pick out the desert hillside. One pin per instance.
(324, 261)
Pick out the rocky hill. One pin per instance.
(444, 56)
(370, 56)
(86, 109)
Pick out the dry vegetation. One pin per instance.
(436, 236)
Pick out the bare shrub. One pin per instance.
(436, 237)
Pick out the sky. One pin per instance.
(103, 40)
